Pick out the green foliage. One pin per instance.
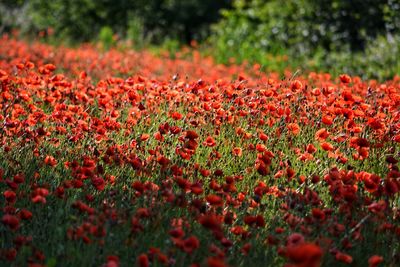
(135, 32)
(379, 60)
(326, 34)
(172, 46)
(262, 25)
(13, 14)
(141, 20)
(79, 20)
(106, 37)
(305, 25)
(176, 19)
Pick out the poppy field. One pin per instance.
(123, 158)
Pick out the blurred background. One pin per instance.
(359, 37)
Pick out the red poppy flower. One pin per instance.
(374, 260)
(306, 254)
(210, 221)
(190, 244)
(327, 146)
(321, 134)
(10, 196)
(11, 221)
(192, 135)
(25, 214)
(327, 120)
(344, 78)
(296, 85)
(51, 161)
(143, 261)
(214, 200)
(294, 128)
(237, 151)
(343, 257)
(318, 214)
(210, 142)
(215, 262)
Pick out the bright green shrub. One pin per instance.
(106, 37)
(333, 35)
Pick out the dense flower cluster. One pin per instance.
(120, 158)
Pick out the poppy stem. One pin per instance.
(363, 220)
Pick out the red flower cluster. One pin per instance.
(120, 158)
